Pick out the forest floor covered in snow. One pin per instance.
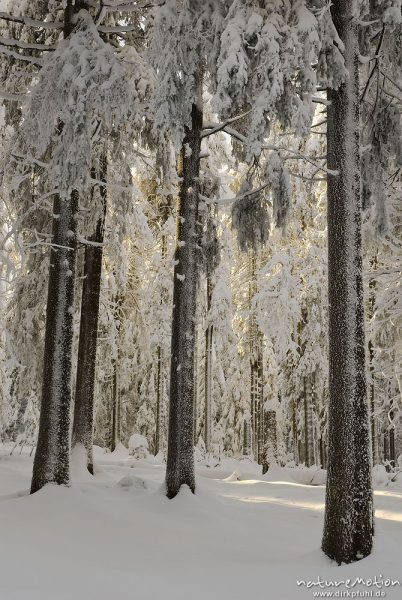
(242, 536)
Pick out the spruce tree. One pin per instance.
(82, 434)
(52, 456)
(348, 527)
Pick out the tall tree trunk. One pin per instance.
(308, 421)
(392, 436)
(260, 398)
(348, 527)
(270, 441)
(208, 371)
(52, 456)
(159, 395)
(82, 434)
(116, 407)
(295, 437)
(255, 360)
(246, 438)
(180, 459)
(115, 423)
(160, 375)
(371, 304)
(322, 453)
(195, 386)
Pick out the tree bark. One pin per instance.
(82, 434)
(159, 389)
(246, 438)
(256, 367)
(348, 526)
(260, 392)
(295, 437)
(116, 407)
(208, 372)
(160, 374)
(371, 304)
(308, 421)
(180, 459)
(52, 456)
(270, 441)
(115, 424)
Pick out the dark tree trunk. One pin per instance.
(116, 408)
(52, 457)
(295, 437)
(371, 305)
(180, 459)
(160, 416)
(256, 367)
(115, 425)
(196, 433)
(208, 372)
(308, 421)
(392, 438)
(82, 434)
(260, 393)
(159, 401)
(270, 441)
(246, 438)
(348, 527)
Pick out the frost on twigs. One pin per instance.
(250, 218)
(83, 86)
(251, 210)
(210, 245)
(382, 152)
(179, 37)
(278, 177)
(265, 67)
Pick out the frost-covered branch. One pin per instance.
(85, 242)
(300, 156)
(58, 25)
(318, 100)
(131, 6)
(115, 28)
(215, 127)
(30, 59)
(221, 201)
(307, 178)
(375, 66)
(32, 22)
(394, 83)
(18, 44)
(12, 96)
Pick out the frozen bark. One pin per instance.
(180, 459)
(84, 391)
(52, 457)
(348, 527)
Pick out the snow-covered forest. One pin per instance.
(200, 298)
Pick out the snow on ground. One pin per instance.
(116, 536)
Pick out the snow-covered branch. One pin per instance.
(18, 44)
(131, 6)
(16, 55)
(215, 127)
(32, 22)
(222, 201)
(12, 96)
